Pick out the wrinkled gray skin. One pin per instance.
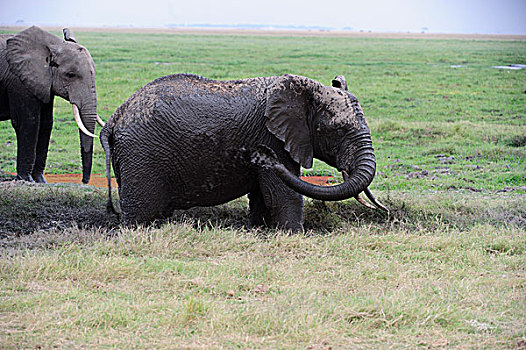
(34, 67)
(183, 141)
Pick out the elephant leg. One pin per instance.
(132, 208)
(143, 210)
(283, 206)
(259, 214)
(25, 117)
(143, 202)
(44, 134)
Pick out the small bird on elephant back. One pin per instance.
(36, 66)
(183, 141)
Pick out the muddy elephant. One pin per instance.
(34, 67)
(183, 141)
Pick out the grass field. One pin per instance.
(447, 268)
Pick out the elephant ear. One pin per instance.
(289, 105)
(29, 58)
(340, 82)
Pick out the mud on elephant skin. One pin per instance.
(36, 66)
(183, 141)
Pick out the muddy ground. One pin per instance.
(36, 210)
(29, 207)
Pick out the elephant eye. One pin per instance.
(70, 74)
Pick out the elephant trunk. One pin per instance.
(86, 122)
(361, 166)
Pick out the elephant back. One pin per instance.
(183, 93)
(3, 61)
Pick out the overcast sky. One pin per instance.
(438, 16)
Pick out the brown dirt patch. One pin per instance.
(96, 180)
(99, 180)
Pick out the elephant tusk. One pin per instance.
(363, 202)
(100, 121)
(82, 128)
(374, 201)
(369, 195)
(357, 197)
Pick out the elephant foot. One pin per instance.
(39, 178)
(24, 177)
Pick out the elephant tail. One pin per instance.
(105, 141)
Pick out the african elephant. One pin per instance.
(34, 67)
(183, 140)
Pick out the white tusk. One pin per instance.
(100, 121)
(357, 197)
(79, 122)
(363, 202)
(369, 195)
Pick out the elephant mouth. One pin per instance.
(81, 126)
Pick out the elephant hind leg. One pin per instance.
(136, 211)
(141, 203)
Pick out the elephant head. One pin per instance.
(327, 123)
(49, 66)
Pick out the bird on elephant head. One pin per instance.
(184, 140)
(36, 66)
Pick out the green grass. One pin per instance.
(417, 106)
(446, 269)
(443, 271)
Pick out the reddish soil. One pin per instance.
(319, 180)
(98, 180)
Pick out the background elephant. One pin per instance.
(34, 67)
(184, 140)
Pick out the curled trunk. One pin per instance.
(363, 163)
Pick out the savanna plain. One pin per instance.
(446, 269)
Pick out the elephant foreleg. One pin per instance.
(259, 214)
(44, 134)
(283, 206)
